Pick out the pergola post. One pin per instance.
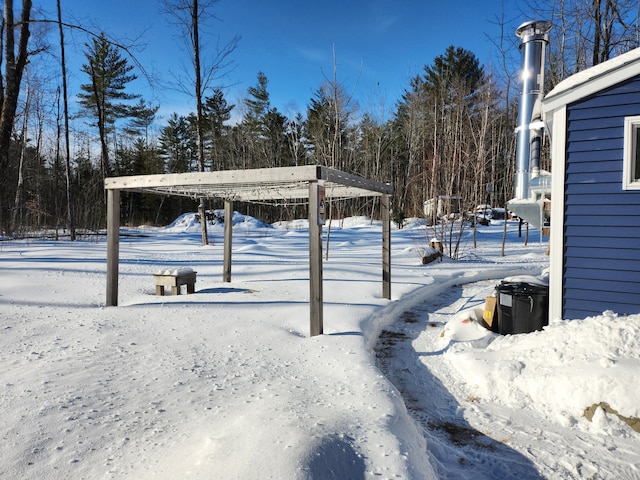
(228, 238)
(315, 262)
(386, 246)
(113, 246)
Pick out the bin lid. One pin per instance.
(521, 288)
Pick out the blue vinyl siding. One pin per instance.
(590, 123)
(607, 112)
(594, 167)
(603, 233)
(617, 242)
(584, 279)
(600, 156)
(595, 135)
(601, 268)
(607, 285)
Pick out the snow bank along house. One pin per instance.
(593, 121)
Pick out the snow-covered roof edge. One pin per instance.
(592, 80)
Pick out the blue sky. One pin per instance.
(379, 44)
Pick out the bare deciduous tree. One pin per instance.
(65, 97)
(190, 16)
(586, 32)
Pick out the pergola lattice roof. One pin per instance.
(282, 184)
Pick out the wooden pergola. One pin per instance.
(312, 183)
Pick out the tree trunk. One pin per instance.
(17, 204)
(102, 130)
(200, 138)
(10, 90)
(70, 213)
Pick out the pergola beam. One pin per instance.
(255, 176)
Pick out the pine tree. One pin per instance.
(264, 126)
(142, 115)
(275, 125)
(257, 105)
(328, 126)
(104, 98)
(216, 111)
(457, 67)
(178, 145)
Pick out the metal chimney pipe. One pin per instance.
(534, 37)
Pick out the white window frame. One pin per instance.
(631, 166)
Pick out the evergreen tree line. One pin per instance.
(451, 133)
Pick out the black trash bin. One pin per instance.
(522, 307)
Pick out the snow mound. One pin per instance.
(559, 371)
(347, 223)
(466, 327)
(189, 222)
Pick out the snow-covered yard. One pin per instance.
(226, 383)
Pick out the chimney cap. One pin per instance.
(533, 28)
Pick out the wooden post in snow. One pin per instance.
(228, 238)
(315, 262)
(113, 246)
(386, 246)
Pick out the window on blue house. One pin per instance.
(631, 179)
